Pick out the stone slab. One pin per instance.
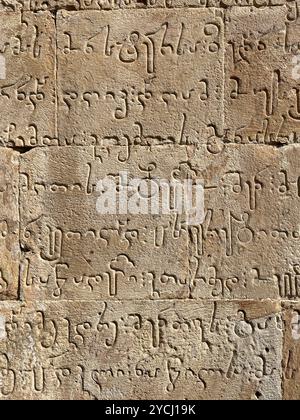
(262, 77)
(244, 249)
(144, 76)
(140, 350)
(27, 87)
(9, 224)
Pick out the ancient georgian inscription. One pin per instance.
(27, 91)
(9, 224)
(262, 92)
(150, 198)
(243, 249)
(248, 244)
(156, 350)
(135, 68)
(75, 252)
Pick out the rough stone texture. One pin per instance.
(27, 95)
(243, 249)
(9, 224)
(290, 363)
(262, 97)
(36, 5)
(130, 76)
(73, 252)
(147, 350)
(99, 306)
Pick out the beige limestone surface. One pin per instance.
(99, 305)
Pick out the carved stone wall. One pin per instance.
(149, 306)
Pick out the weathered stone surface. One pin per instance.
(144, 350)
(27, 92)
(291, 347)
(9, 224)
(262, 84)
(135, 69)
(35, 5)
(249, 240)
(98, 302)
(246, 246)
(73, 252)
